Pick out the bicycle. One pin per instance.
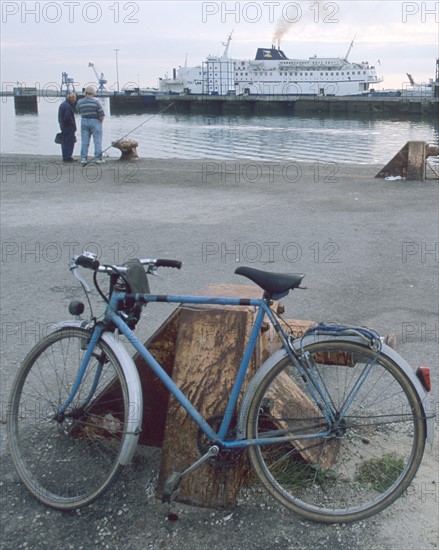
(349, 450)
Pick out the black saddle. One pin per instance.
(273, 283)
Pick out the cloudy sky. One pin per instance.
(40, 40)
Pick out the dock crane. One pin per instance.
(101, 79)
(68, 82)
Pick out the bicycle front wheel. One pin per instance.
(67, 460)
(368, 456)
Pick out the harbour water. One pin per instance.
(178, 135)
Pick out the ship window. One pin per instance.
(342, 73)
(321, 74)
(291, 74)
(300, 74)
(336, 74)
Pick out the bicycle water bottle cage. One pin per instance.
(136, 282)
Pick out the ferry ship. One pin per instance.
(273, 73)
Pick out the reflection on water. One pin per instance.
(175, 135)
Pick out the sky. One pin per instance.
(40, 40)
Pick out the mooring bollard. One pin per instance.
(128, 148)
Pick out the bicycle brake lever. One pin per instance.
(80, 278)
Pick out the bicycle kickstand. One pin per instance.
(173, 482)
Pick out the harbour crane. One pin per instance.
(68, 82)
(101, 78)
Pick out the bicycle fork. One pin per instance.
(94, 339)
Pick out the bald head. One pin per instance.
(90, 91)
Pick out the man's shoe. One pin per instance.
(83, 161)
(100, 161)
(70, 160)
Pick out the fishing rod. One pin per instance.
(133, 130)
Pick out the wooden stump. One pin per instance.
(206, 356)
(128, 149)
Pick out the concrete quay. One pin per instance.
(369, 249)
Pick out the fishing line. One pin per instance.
(133, 130)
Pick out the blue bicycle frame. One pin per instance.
(262, 305)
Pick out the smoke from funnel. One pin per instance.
(291, 16)
(281, 29)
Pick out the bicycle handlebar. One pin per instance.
(90, 261)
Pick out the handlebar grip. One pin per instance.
(87, 262)
(168, 263)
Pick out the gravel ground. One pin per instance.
(129, 516)
(172, 209)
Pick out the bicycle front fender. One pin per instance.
(135, 397)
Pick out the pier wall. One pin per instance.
(282, 105)
(254, 105)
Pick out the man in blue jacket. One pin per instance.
(67, 123)
(92, 117)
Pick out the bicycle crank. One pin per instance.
(173, 482)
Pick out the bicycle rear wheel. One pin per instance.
(67, 460)
(363, 464)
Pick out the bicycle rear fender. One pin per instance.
(135, 397)
(388, 352)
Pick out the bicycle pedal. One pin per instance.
(171, 485)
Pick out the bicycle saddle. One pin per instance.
(272, 283)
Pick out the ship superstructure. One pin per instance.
(273, 73)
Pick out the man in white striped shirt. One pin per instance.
(92, 117)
